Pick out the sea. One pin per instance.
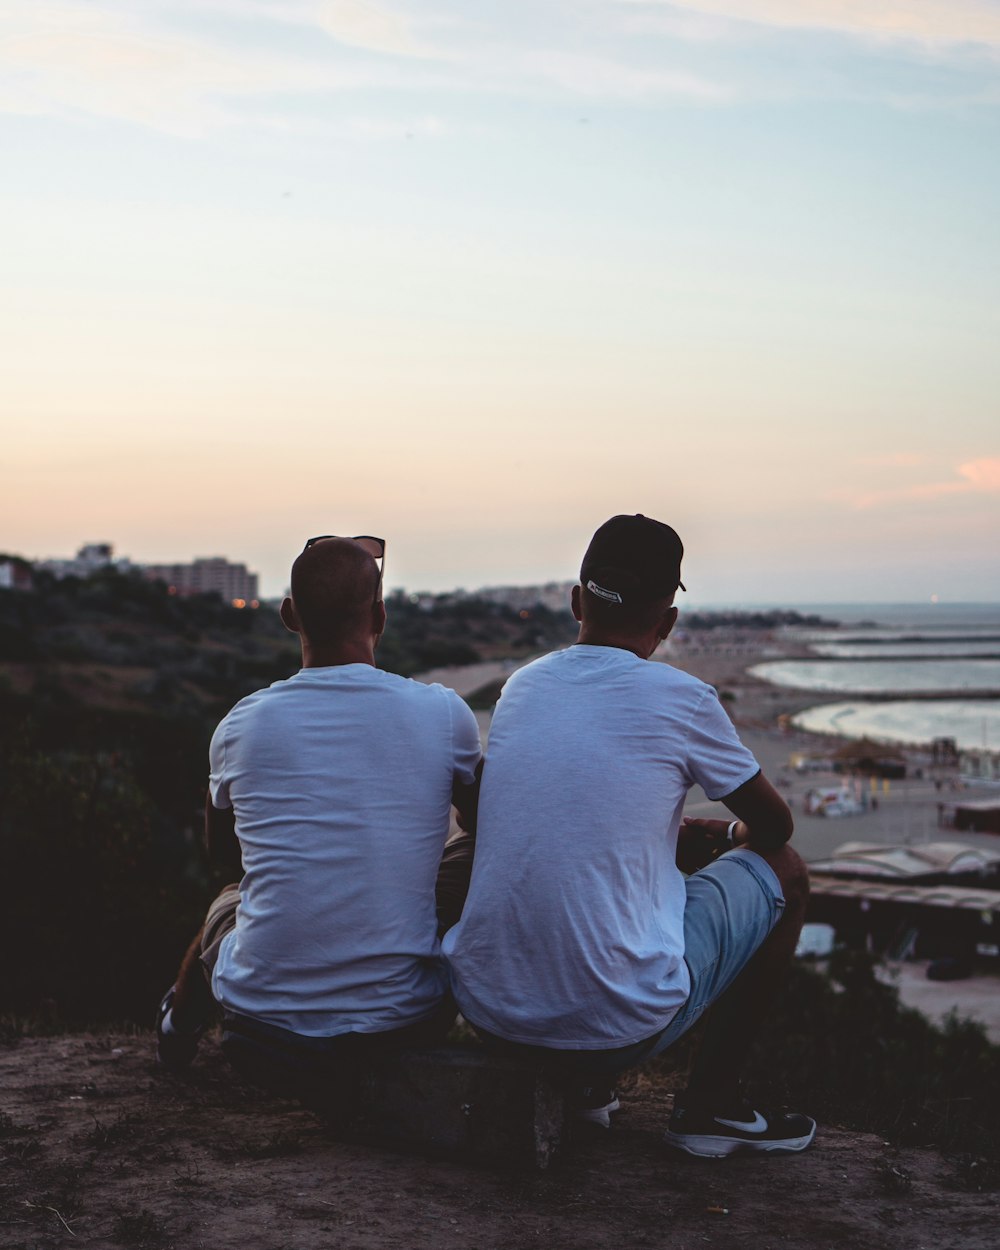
(948, 654)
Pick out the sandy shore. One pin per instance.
(907, 814)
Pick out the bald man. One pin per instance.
(333, 792)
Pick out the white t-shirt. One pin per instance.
(341, 781)
(572, 935)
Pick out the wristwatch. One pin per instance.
(731, 842)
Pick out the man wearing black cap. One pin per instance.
(582, 944)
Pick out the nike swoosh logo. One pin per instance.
(757, 1125)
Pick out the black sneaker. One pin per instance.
(737, 1128)
(174, 1048)
(594, 1105)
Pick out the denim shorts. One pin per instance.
(732, 906)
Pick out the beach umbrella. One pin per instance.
(867, 749)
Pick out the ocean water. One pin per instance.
(974, 724)
(986, 647)
(896, 649)
(899, 675)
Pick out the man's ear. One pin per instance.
(574, 602)
(289, 617)
(378, 619)
(667, 622)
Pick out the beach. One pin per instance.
(907, 811)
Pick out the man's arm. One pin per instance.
(765, 819)
(221, 841)
(764, 823)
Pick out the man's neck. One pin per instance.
(331, 655)
(594, 638)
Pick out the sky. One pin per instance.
(476, 276)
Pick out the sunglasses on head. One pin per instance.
(374, 546)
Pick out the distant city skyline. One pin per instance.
(554, 589)
(477, 277)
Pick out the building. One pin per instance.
(208, 576)
(91, 558)
(212, 575)
(979, 765)
(972, 815)
(553, 595)
(15, 574)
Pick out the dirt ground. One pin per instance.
(100, 1149)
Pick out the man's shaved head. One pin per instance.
(333, 588)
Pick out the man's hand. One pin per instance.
(700, 840)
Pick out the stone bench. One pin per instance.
(458, 1101)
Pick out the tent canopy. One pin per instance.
(867, 749)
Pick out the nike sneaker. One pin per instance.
(737, 1128)
(175, 1048)
(595, 1106)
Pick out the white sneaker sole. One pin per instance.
(599, 1115)
(707, 1147)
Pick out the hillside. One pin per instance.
(110, 689)
(101, 1150)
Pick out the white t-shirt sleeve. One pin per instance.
(218, 783)
(468, 750)
(716, 758)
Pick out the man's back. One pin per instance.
(341, 780)
(572, 933)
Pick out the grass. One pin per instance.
(277, 1145)
(841, 1048)
(125, 1128)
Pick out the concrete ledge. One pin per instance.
(460, 1101)
(452, 1100)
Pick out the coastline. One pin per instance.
(907, 812)
(908, 809)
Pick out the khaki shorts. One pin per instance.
(221, 919)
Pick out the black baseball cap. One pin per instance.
(632, 559)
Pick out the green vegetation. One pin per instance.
(110, 689)
(761, 618)
(840, 1047)
(460, 629)
(844, 1045)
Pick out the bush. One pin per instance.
(94, 905)
(842, 1049)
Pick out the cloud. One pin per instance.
(935, 23)
(363, 25)
(895, 460)
(354, 23)
(167, 66)
(599, 76)
(980, 476)
(65, 60)
(189, 67)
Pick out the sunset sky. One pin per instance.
(475, 276)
